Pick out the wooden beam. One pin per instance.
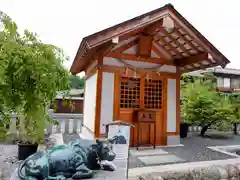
(145, 46)
(116, 101)
(156, 51)
(100, 51)
(106, 49)
(185, 39)
(174, 40)
(98, 107)
(122, 70)
(141, 59)
(163, 50)
(126, 46)
(160, 51)
(191, 59)
(131, 34)
(161, 38)
(93, 54)
(154, 27)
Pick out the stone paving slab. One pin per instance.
(160, 159)
(147, 152)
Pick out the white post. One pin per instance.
(58, 128)
(190, 128)
(75, 125)
(80, 123)
(66, 121)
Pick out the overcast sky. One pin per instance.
(65, 22)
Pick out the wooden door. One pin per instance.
(141, 93)
(153, 100)
(129, 102)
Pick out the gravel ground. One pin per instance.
(195, 147)
(8, 160)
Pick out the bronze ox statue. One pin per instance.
(75, 160)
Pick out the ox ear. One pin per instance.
(99, 141)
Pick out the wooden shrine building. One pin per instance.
(133, 74)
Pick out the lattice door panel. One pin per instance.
(153, 94)
(130, 92)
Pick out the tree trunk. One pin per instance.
(235, 128)
(203, 131)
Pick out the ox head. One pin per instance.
(105, 150)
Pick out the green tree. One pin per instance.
(76, 82)
(31, 73)
(235, 100)
(203, 106)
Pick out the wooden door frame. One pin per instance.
(162, 111)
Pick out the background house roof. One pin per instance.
(74, 94)
(216, 70)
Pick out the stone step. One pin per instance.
(160, 159)
(147, 152)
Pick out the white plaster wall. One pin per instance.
(171, 105)
(226, 82)
(89, 105)
(114, 62)
(107, 100)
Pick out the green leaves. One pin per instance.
(235, 100)
(202, 105)
(76, 82)
(31, 73)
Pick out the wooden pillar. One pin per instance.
(98, 99)
(116, 105)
